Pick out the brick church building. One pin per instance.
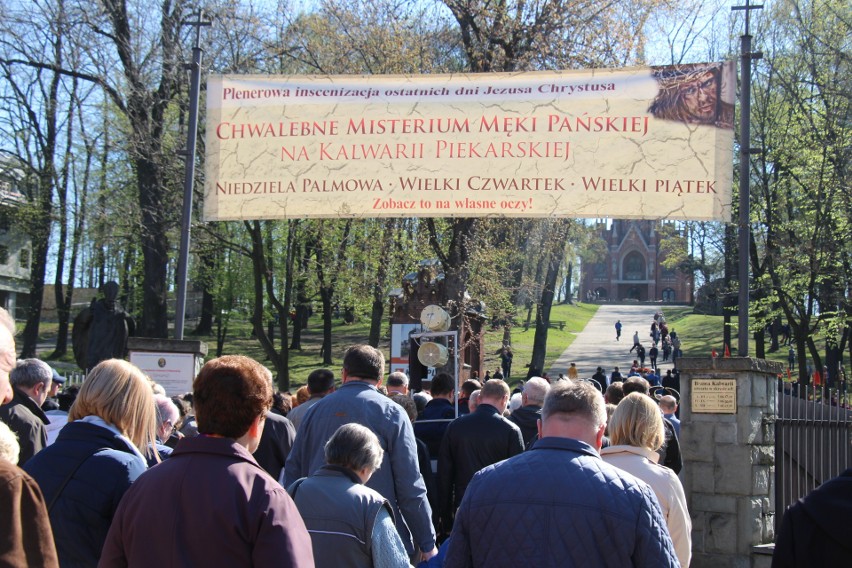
(631, 268)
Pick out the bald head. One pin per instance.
(496, 393)
(7, 354)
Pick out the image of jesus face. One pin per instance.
(698, 98)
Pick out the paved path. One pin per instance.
(596, 346)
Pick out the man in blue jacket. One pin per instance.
(398, 479)
(559, 504)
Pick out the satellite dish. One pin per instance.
(433, 354)
(435, 318)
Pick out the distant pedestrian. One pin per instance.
(573, 374)
(615, 377)
(791, 358)
(652, 354)
(635, 341)
(506, 357)
(618, 327)
(640, 352)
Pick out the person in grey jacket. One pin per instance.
(559, 504)
(398, 479)
(351, 526)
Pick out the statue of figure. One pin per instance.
(100, 331)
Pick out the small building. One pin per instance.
(632, 267)
(16, 249)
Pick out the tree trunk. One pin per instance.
(208, 304)
(40, 224)
(155, 250)
(300, 321)
(380, 283)
(263, 289)
(569, 284)
(326, 295)
(542, 319)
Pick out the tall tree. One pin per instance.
(35, 93)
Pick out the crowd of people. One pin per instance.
(357, 472)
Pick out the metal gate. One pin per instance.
(812, 441)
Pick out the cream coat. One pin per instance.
(642, 463)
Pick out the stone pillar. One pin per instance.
(728, 410)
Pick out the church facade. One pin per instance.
(631, 269)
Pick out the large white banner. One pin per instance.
(639, 143)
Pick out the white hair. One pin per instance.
(536, 390)
(515, 402)
(9, 447)
(166, 410)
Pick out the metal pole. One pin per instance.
(744, 227)
(743, 233)
(189, 180)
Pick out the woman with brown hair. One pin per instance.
(96, 457)
(636, 432)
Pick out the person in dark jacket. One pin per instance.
(473, 442)
(96, 458)
(466, 389)
(276, 441)
(600, 379)
(31, 380)
(526, 417)
(559, 504)
(439, 411)
(351, 525)
(275, 444)
(815, 531)
(223, 508)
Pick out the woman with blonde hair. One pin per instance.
(96, 457)
(636, 432)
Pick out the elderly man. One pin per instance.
(527, 416)
(472, 442)
(210, 503)
(397, 383)
(26, 538)
(167, 416)
(31, 381)
(559, 504)
(474, 400)
(398, 479)
(320, 384)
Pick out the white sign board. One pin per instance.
(174, 371)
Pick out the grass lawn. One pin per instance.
(699, 334)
